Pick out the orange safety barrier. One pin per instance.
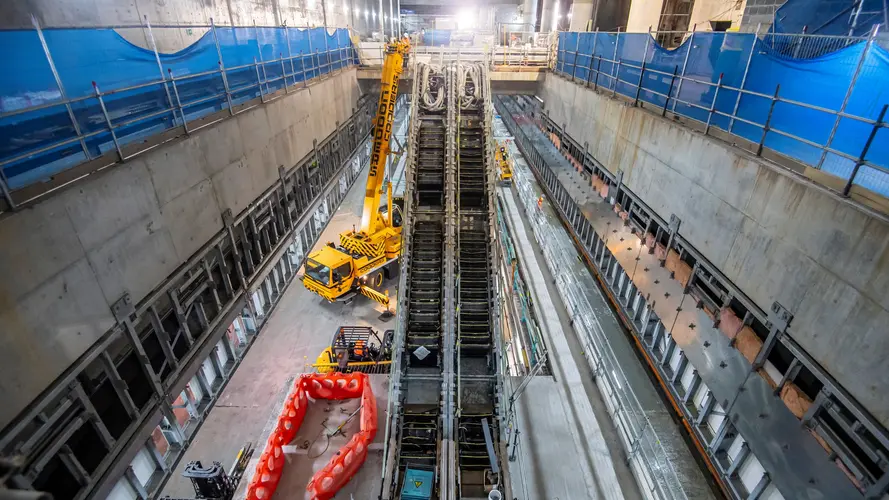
(327, 481)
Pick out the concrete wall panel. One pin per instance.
(176, 168)
(45, 330)
(192, 218)
(67, 259)
(35, 245)
(234, 186)
(777, 236)
(135, 259)
(221, 145)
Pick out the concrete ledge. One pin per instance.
(69, 257)
(776, 234)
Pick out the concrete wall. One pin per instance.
(74, 13)
(66, 260)
(716, 10)
(777, 236)
(644, 15)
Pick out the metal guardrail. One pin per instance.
(176, 108)
(158, 345)
(649, 461)
(501, 58)
(834, 416)
(570, 61)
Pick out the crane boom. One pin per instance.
(392, 69)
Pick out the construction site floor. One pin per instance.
(299, 328)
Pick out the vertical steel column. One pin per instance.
(873, 133)
(836, 123)
(382, 26)
(391, 21)
(731, 122)
(108, 121)
(160, 68)
(228, 94)
(691, 45)
(669, 91)
(62, 93)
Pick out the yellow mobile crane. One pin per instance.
(501, 156)
(366, 255)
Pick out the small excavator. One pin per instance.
(357, 348)
(370, 253)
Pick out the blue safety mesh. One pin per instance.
(828, 17)
(87, 59)
(714, 64)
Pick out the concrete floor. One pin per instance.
(563, 418)
(299, 328)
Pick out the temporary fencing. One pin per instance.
(343, 466)
(826, 112)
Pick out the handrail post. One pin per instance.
(713, 105)
(4, 187)
(642, 68)
(670, 90)
(691, 45)
(289, 56)
(592, 55)
(616, 79)
(108, 121)
(303, 64)
(731, 122)
(62, 93)
(283, 72)
(160, 67)
(258, 81)
(228, 94)
(261, 61)
(598, 70)
(311, 54)
(765, 128)
(870, 139)
(574, 66)
(178, 101)
(836, 123)
(327, 50)
(589, 71)
(614, 58)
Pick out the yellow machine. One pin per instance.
(364, 257)
(504, 162)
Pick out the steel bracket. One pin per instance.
(779, 319)
(123, 309)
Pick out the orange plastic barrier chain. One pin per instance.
(343, 466)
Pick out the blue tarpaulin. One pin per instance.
(820, 82)
(101, 57)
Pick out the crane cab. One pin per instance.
(329, 272)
